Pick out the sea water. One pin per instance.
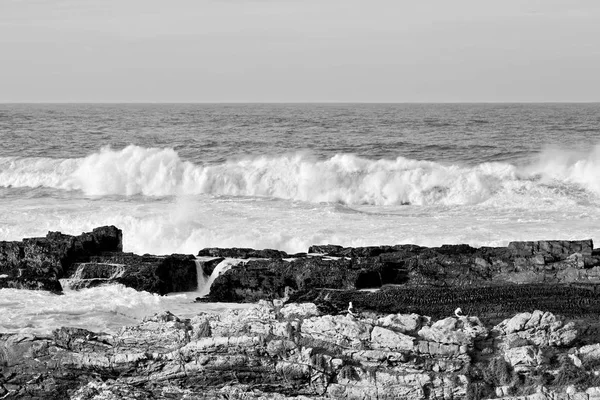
(178, 178)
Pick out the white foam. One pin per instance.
(105, 308)
(98, 308)
(343, 178)
(220, 269)
(67, 284)
(187, 225)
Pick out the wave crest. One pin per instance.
(343, 178)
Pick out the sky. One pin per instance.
(299, 51)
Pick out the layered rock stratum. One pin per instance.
(293, 351)
(381, 322)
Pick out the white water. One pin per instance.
(343, 178)
(205, 282)
(77, 276)
(202, 277)
(288, 202)
(188, 224)
(103, 309)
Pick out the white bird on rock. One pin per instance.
(350, 312)
(576, 360)
(458, 312)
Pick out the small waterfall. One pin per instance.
(70, 284)
(202, 277)
(222, 267)
(92, 274)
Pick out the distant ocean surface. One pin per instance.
(178, 178)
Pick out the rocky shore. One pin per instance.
(91, 259)
(385, 322)
(293, 351)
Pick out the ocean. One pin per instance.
(180, 177)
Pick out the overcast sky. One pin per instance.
(299, 50)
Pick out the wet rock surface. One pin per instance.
(276, 351)
(38, 263)
(558, 276)
(412, 278)
(241, 253)
(381, 322)
(155, 274)
(91, 259)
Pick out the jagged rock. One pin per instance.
(241, 253)
(460, 331)
(524, 358)
(403, 323)
(326, 249)
(557, 249)
(343, 331)
(299, 311)
(268, 279)
(448, 266)
(382, 338)
(539, 328)
(155, 274)
(590, 352)
(91, 259)
(51, 285)
(573, 394)
(34, 262)
(495, 302)
(251, 353)
(174, 273)
(371, 251)
(52, 257)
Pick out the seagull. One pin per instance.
(458, 312)
(350, 309)
(576, 360)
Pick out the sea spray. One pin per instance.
(342, 178)
(100, 309)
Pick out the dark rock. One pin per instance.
(241, 253)
(155, 274)
(268, 279)
(96, 258)
(326, 249)
(11, 254)
(371, 251)
(448, 266)
(558, 249)
(179, 273)
(52, 257)
(91, 259)
(297, 255)
(38, 283)
(492, 302)
(97, 270)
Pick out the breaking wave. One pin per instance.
(343, 178)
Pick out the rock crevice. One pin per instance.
(255, 354)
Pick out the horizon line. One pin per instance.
(296, 102)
